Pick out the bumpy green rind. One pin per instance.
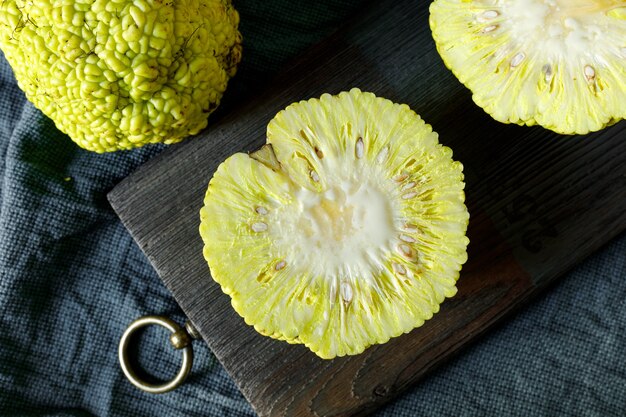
(121, 74)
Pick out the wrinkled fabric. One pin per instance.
(72, 279)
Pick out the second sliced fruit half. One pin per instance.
(557, 63)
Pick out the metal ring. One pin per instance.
(130, 372)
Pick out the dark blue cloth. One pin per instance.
(72, 279)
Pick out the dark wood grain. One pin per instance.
(539, 203)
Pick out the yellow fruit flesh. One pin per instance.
(117, 75)
(559, 64)
(355, 236)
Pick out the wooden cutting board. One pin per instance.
(539, 204)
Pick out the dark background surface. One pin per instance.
(72, 279)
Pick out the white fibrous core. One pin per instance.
(552, 31)
(557, 26)
(347, 230)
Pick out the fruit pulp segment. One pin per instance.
(347, 229)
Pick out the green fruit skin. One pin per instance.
(117, 75)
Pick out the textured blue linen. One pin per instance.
(72, 279)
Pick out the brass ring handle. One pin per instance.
(180, 339)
